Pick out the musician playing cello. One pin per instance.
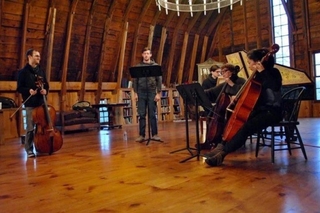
(267, 110)
(231, 85)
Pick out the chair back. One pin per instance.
(291, 101)
(7, 103)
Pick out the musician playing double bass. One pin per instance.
(266, 111)
(26, 85)
(231, 85)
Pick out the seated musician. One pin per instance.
(231, 85)
(211, 80)
(266, 111)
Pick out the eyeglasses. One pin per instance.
(224, 71)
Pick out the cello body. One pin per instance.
(249, 96)
(218, 121)
(242, 109)
(47, 139)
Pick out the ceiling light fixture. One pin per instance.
(199, 6)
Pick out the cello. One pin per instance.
(218, 118)
(47, 138)
(246, 98)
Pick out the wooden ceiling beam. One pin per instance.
(66, 56)
(104, 49)
(86, 51)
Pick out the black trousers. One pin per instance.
(257, 120)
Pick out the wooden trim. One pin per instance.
(122, 52)
(193, 57)
(172, 48)
(183, 57)
(151, 34)
(24, 36)
(50, 42)
(11, 86)
(204, 49)
(246, 45)
(161, 46)
(86, 51)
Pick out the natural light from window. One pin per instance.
(281, 32)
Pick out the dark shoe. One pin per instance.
(204, 146)
(30, 154)
(219, 148)
(216, 160)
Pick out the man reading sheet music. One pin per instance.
(147, 92)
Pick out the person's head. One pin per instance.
(229, 70)
(215, 71)
(33, 57)
(258, 61)
(146, 55)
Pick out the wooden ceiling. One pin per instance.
(98, 40)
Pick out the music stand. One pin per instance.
(193, 94)
(144, 72)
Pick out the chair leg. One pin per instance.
(258, 143)
(272, 144)
(301, 143)
(289, 134)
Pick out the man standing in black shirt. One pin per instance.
(27, 86)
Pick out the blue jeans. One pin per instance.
(147, 100)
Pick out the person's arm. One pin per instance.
(158, 88)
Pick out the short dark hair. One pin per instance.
(258, 54)
(146, 49)
(214, 67)
(30, 52)
(231, 68)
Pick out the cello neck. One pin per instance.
(46, 110)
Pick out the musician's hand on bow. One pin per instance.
(32, 92)
(43, 92)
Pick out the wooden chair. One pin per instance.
(285, 135)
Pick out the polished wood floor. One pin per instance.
(96, 171)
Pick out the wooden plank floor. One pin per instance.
(96, 171)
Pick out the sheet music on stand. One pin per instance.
(193, 94)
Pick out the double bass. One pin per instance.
(246, 99)
(47, 138)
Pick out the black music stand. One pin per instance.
(193, 94)
(144, 72)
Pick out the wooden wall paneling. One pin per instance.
(86, 52)
(181, 69)
(181, 19)
(136, 33)
(24, 35)
(216, 24)
(104, 50)
(150, 37)
(204, 49)
(244, 12)
(122, 54)
(193, 58)
(50, 38)
(161, 46)
(1, 12)
(258, 24)
(182, 57)
(66, 56)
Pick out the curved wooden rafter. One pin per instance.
(86, 51)
(66, 56)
